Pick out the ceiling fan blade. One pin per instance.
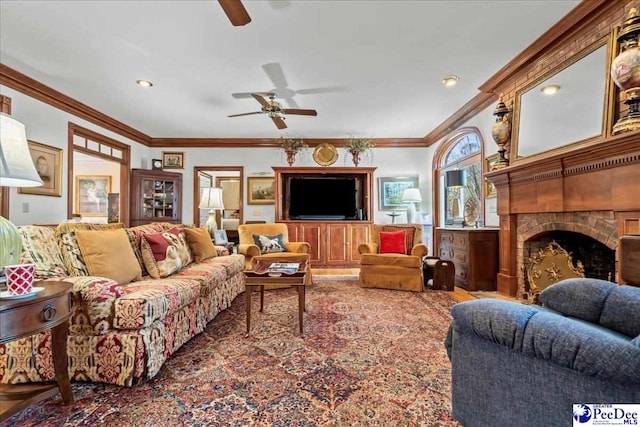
(279, 121)
(246, 114)
(300, 112)
(275, 73)
(235, 11)
(261, 100)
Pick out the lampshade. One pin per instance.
(456, 178)
(16, 170)
(16, 166)
(211, 199)
(411, 195)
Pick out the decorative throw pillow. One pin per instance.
(107, 253)
(393, 242)
(200, 243)
(409, 234)
(269, 244)
(164, 253)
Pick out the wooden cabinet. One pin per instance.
(156, 196)
(474, 251)
(332, 243)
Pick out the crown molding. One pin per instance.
(275, 142)
(15, 80)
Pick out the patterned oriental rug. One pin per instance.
(369, 357)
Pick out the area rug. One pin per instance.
(369, 357)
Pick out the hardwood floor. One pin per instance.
(458, 294)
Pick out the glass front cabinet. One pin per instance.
(156, 196)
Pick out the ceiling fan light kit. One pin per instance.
(274, 110)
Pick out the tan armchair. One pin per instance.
(293, 251)
(393, 270)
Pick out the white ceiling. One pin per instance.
(378, 65)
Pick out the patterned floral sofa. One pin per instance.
(119, 333)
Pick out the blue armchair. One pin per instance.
(519, 365)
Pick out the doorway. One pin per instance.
(231, 180)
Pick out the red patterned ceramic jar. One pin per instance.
(19, 278)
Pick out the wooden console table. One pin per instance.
(20, 318)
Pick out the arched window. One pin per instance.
(459, 205)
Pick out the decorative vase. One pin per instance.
(356, 157)
(625, 72)
(291, 156)
(501, 132)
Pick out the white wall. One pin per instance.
(49, 125)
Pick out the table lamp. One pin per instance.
(16, 170)
(211, 199)
(411, 196)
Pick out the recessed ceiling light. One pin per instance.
(144, 83)
(450, 80)
(550, 89)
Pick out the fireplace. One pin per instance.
(590, 238)
(586, 196)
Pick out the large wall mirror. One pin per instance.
(545, 120)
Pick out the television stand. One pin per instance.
(334, 239)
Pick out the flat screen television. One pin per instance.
(323, 198)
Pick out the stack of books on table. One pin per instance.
(283, 267)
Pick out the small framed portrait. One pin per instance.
(261, 190)
(220, 237)
(390, 191)
(48, 163)
(91, 194)
(172, 160)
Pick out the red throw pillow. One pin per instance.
(393, 242)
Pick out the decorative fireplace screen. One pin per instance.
(549, 266)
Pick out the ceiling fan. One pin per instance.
(235, 11)
(274, 110)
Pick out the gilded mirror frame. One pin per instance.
(607, 41)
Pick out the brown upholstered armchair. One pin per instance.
(276, 246)
(393, 270)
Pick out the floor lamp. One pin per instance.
(211, 199)
(16, 170)
(411, 196)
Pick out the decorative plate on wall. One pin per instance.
(325, 154)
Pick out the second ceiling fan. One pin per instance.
(274, 110)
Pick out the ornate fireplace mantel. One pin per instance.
(599, 175)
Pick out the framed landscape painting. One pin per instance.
(91, 194)
(48, 163)
(390, 191)
(261, 190)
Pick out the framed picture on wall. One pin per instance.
(390, 191)
(489, 187)
(172, 160)
(261, 190)
(91, 194)
(48, 163)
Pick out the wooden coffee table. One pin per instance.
(258, 278)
